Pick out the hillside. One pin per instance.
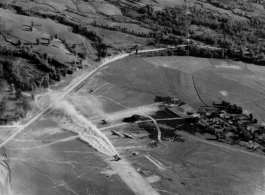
(124, 97)
(61, 35)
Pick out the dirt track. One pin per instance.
(127, 173)
(132, 178)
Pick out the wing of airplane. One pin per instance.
(127, 136)
(115, 133)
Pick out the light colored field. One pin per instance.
(199, 80)
(183, 64)
(119, 39)
(46, 159)
(106, 8)
(180, 85)
(35, 6)
(198, 163)
(14, 21)
(255, 68)
(132, 178)
(18, 28)
(223, 11)
(60, 4)
(60, 54)
(90, 18)
(85, 7)
(165, 2)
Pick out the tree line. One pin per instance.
(248, 37)
(29, 80)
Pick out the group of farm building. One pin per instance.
(229, 123)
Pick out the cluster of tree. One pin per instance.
(26, 104)
(3, 105)
(244, 39)
(230, 5)
(11, 71)
(166, 100)
(130, 21)
(98, 43)
(76, 12)
(83, 29)
(9, 118)
(246, 36)
(4, 120)
(123, 20)
(252, 119)
(233, 108)
(188, 50)
(125, 30)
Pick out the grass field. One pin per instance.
(106, 8)
(199, 81)
(118, 39)
(192, 167)
(47, 158)
(60, 4)
(41, 167)
(53, 160)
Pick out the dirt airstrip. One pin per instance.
(46, 159)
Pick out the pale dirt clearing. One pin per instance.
(153, 178)
(231, 67)
(132, 178)
(224, 93)
(141, 110)
(156, 162)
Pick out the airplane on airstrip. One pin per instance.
(126, 135)
(115, 133)
(117, 158)
(103, 122)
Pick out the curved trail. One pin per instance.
(157, 127)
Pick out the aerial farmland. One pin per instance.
(140, 97)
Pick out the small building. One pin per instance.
(13, 90)
(222, 115)
(26, 95)
(254, 130)
(183, 110)
(175, 111)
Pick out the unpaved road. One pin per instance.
(157, 127)
(127, 173)
(59, 97)
(132, 178)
